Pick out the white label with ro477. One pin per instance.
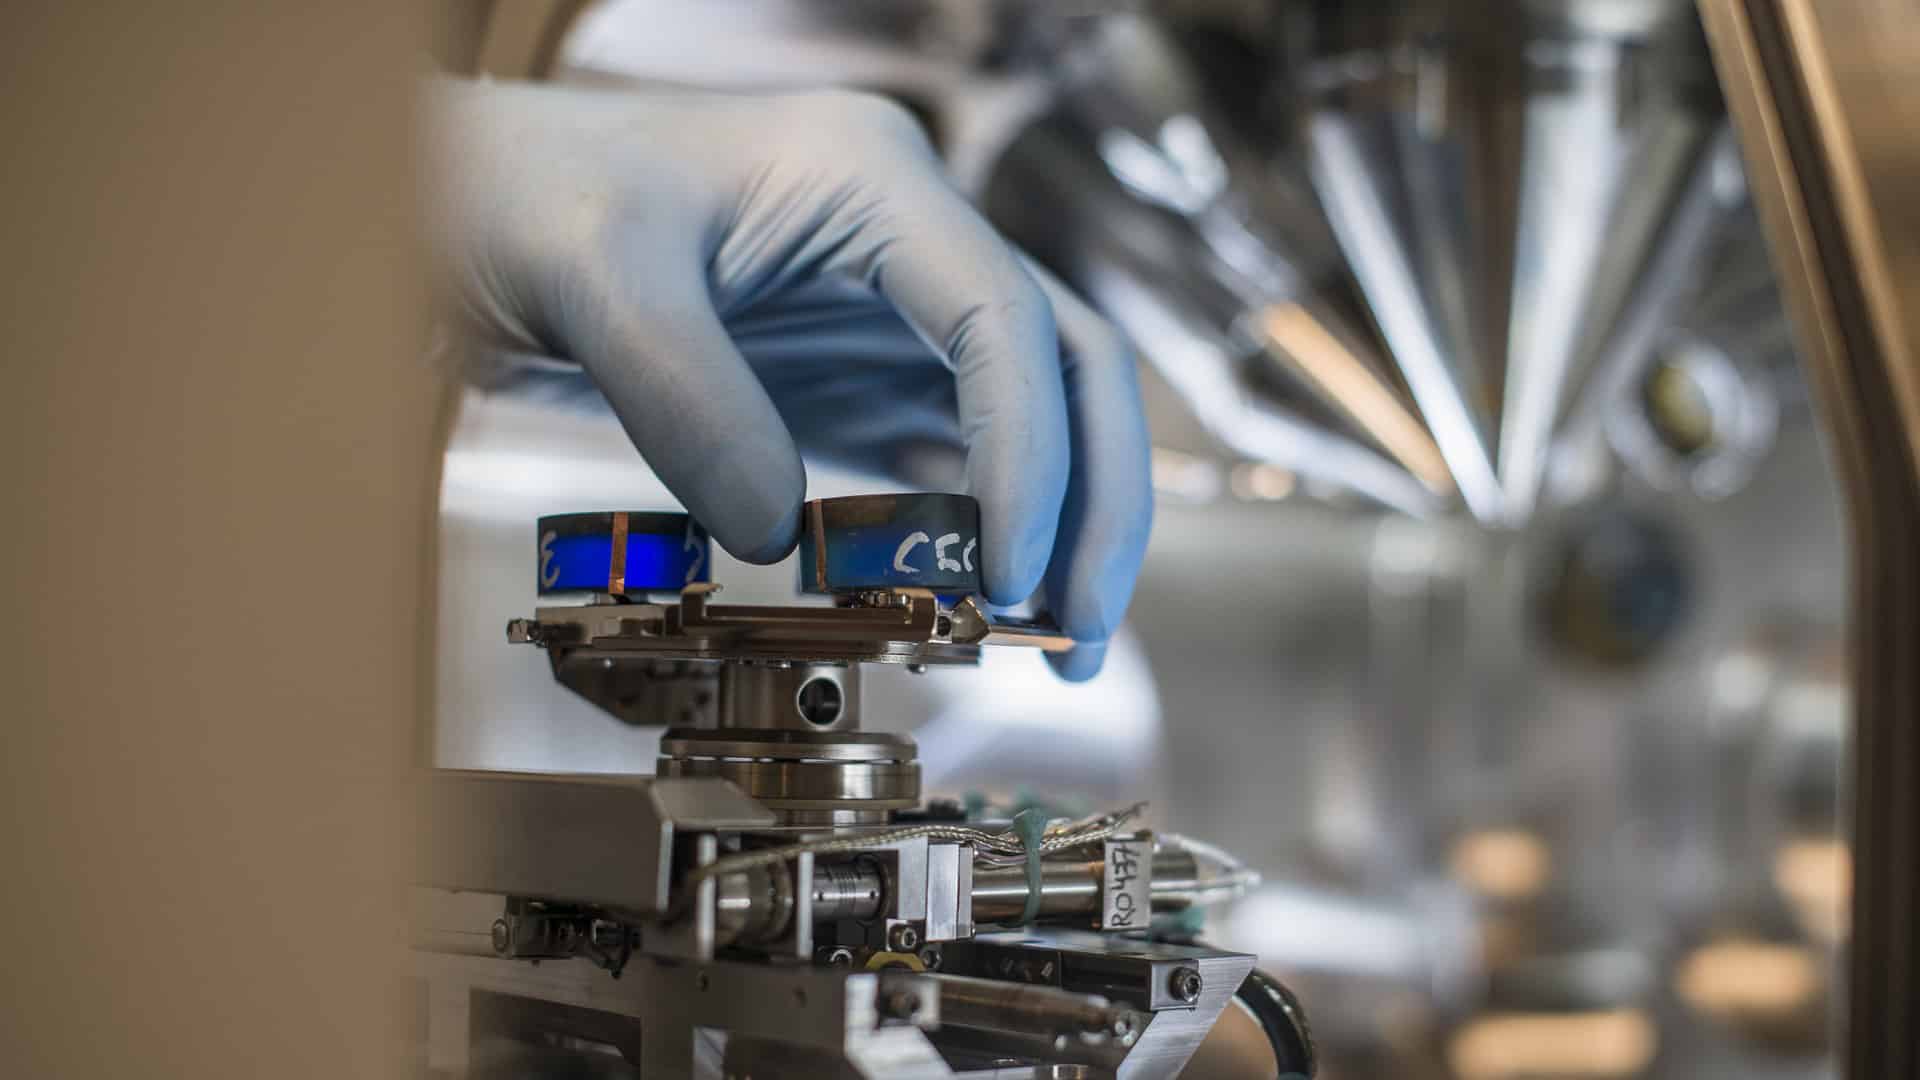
(1126, 889)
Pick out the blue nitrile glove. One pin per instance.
(748, 277)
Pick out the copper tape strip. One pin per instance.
(617, 561)
(818, 526)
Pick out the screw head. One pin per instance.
(502, 936)
(902, 1004)
(1185, 984)
(930, 958)
(903, 938)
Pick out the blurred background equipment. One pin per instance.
(1497, 609)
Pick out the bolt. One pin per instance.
(901, 1004)
(502, 936)
(930, 958)
(874, 598)
(903, 938)
(1186, 984)
(1116, 1023)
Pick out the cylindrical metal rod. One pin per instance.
(1024, 1009)
(756, 905)
(1000, 892)
(753, 905)
(847, 891)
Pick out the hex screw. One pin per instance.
(903, 938)
(502, 936)
(930, 958)
(1113, 1022)
(901, 1004)
(1185, 984)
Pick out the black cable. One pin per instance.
(1285, 1022)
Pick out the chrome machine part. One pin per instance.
(785, 684)
(853, 899)
(753, 905)
(1498, 175)
(758, 898)
(915, 627)
(1078, 888)
(1154, 978)
(1824, 99)
(790, 696)
(1214, 261)
(1022, 1009)
(829, 1023)
(847, 891)
(755, 887)
(601, 841)
(856, 776)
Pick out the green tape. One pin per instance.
(1031, 825)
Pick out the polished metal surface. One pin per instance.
(1826, 104)
(828, 1021)
(811, 785)
(753, 906)
(1212, 259)
(1077, 888)
(1128, 971)
(775, 744)
(844, 772)
(847, 891)
(1023, 1009)
(606, 841)
(641, 690)
(799, 697)
(950, 894)
(912, 627)
(1497, 175)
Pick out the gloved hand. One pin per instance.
(748, 277)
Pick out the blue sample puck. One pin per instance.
(620, 551)
(923, 540)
